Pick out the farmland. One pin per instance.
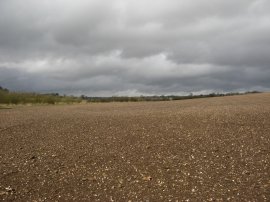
(189, 150)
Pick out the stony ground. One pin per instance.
(212, 149)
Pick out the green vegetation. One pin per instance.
(7, 97)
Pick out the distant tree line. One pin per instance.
(7, 97)
(158, 98)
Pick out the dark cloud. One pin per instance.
(134, 47)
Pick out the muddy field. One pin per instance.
(209, 149)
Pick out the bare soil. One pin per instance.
(213, 149)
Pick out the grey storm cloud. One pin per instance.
(129, 47)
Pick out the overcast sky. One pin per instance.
(134, 47)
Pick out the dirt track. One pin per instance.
(193, 150)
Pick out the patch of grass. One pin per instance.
(7, 97)
(5, 107)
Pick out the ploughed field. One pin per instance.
(209, 149)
